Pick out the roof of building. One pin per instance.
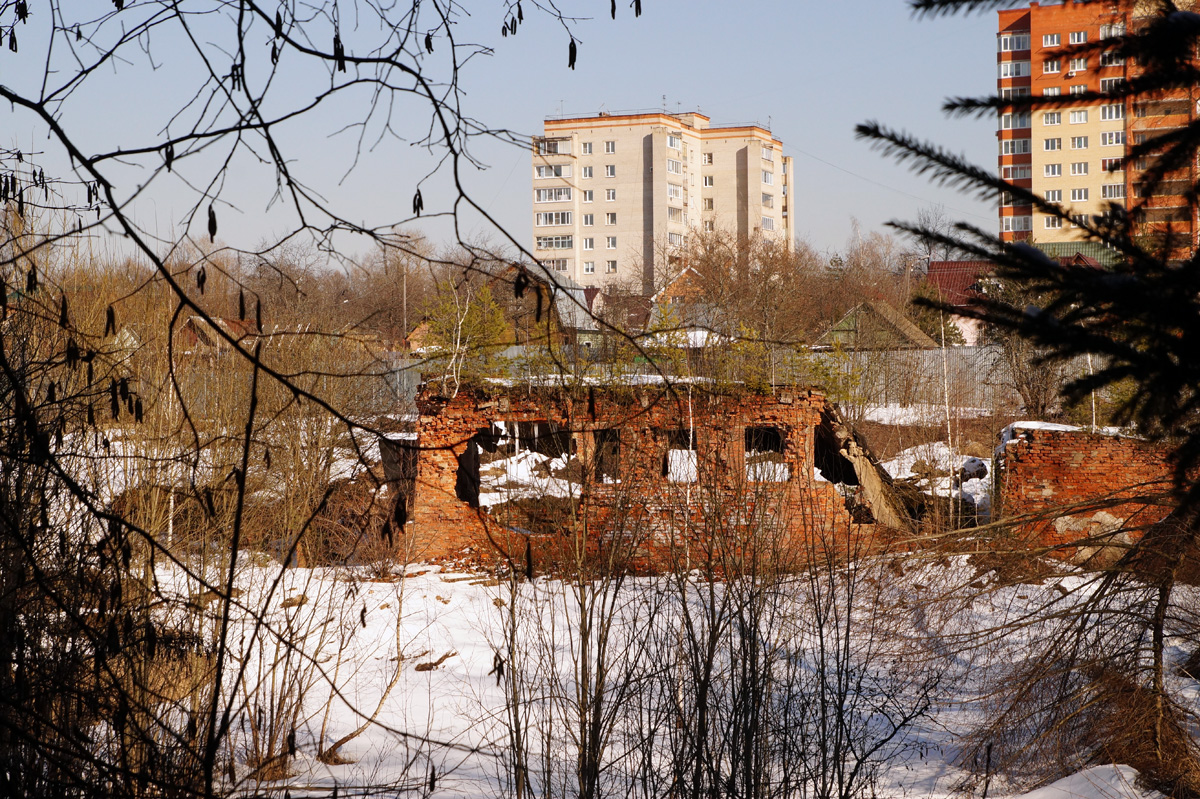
(955, 280)
(876, 326)
(1095, 253)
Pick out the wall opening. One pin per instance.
(466, 476)
(765, 461)
(607, 466)
(679, 461)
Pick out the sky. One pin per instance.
(809, 71)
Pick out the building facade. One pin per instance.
(1073, 152)
(616, 197)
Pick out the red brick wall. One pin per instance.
(1074, 484)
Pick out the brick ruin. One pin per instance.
(663, 467)
(1061, 485)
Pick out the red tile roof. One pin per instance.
(954, 279)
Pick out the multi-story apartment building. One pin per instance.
(616, 197)
(1073, 153)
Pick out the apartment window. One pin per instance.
(554, 171)
(610, 219)
(610, 195)
(610, 170)
(1112, 111)
(1054, 196)
(1079, 220)
(1112, 164)
(589, 220)
(1111, 59)
(554, 147)
(1014, 146)
(555, 242)
(585, 172)
(675, 215)
(674, 166)
(1078, 89)
(1051, 66)
(1112, 137)
(1052, 118)
(709, 226)
(1079, 195)
(768, 200)
(1052, 91)
(706, 204)
(1006, 199)
(675, 239)
(558, 195)
(588, 196)
(1078, 117)
(1052, 170)
(1014, 69)
(1052, 222)
(1113, 191)
(587, 148)
(1112, 31)
(1017, 172)
(610, 147)
(1078, 64)
(1051, 39)
(610, 242)
(768, 223)
(589, 244)
(1111, 84)
(706, 158)
(1010, 92)
(768, 178)
(1049, 145)
(673, 141)
(707, 181)
(1016, 223)
(1079, 142)
(1078, 37)
(589, 267)
(768, 152)
(553, 218)
(674, 191)
(1010, 42)
(1019, 119)
(555, 264)
(1079, 168)
(610, 266)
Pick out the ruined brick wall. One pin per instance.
(1074, 484)
(663, 514)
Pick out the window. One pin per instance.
(768, 178)
(1009, 42)
(1113, 191)
(675, 239)
(1079, 195)
(589, 244)
(554, 171)
(768, 223)
(1014, 146)
(709, 226)
(1017, 172)
(610, 267)
(552, 195)
(1052, 222)
(768, 151)
(553, 218)
(610, 219)
(1111, 59)
(1016, 223)
(588, 196)
(1112, 111)
(555, 242)
(1053, 91)
(610, 170)
(610, 147)
(1079, 142)
(706, 158)
(1051, 65)
(585, 172)
(1078, 37)
(1018, 119)
(1078, 89)
(1079, 220)
(1050, 145)
(706, 204)
(1054, 196)
(554, 146)
(1079, 168)
(587, 148)
(1014, 69)
(1006, 199)
(1052, 118)
(674, 191)
(1078, 64)
(1112, 31)
(1010, 92)
(1112, 138)
(673, 141)
(1111, 84)
(589, 267)
(556, 264)
(765, 461)
(707, 181)
(768, 200)
(1052, 170)
(1078, 117)
(675, 215)
(589, 220)
(674, 167)
(610, 195)
(1112, 164)
(610, 242)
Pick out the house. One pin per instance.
(875, 325)
(957, 285)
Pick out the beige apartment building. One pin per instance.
(617, 198)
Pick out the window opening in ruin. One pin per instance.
(398, 455)
(765, 462)
(679, 461)
(608, 456)
(466, 477)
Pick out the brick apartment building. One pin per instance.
(616, 196)
(1072, 152)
